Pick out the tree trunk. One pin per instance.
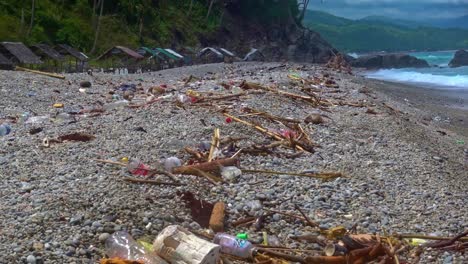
(140, 34)
(96, 36)
(304, 9)
(93, 15)
(22, 23)
(209, 9)
(33, 7)
(190, 7)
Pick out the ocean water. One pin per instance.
(438, 76)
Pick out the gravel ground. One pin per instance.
(406, 175)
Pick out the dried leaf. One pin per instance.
(200, 209)
(359, 241)
(82, 137)
(119, 261)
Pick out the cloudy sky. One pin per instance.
(404, 9)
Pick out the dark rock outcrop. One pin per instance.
(284, 40)
(387, 61)
(459, 59)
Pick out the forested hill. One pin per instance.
(123, 22)
(381, 35)
(132, 23)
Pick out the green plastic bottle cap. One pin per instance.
(242, 236)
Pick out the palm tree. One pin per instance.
(96, 36)
(33, 8)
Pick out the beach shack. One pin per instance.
(172, 59)
(254, 55)
(52, 59)
(19, 54)
(227, 55)
(74, 60)
(153, 61)
(122, 57)
(210, 55)
(189, 55)
(5, 63)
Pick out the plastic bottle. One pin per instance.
(136, 167)
(231, 173)
(234, 246)
(171, 163)
(5, 129)
(122, 245)
(116, 105)
(24, 117)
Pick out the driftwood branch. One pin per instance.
(152, 182)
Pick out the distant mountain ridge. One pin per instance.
(377, 33)
(457, 22)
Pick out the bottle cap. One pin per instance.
(244, 236)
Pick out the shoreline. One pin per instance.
(447, 109)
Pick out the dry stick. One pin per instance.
(259, 128)
(428, 237)
(214, 144)
(392, 250)
(133, 180)
(197, 155)
(447, 243)
(282, 255)
(321, 175)
(111, 162)
(151, 171)
(40, 72)
(312, 224)
(285, 214)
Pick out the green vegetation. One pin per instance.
(124, 22)
(131, 23)
(364, 36)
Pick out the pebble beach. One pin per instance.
(404, 166)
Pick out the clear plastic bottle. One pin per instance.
(171, 163)
(5, 129)
(136, 167)
(122, 245)
(24, 117)
(116, 105)
(234, 246)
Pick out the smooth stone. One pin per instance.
(103, 237)
(31, 259)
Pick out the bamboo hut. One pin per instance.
(153, 61)
(52, 59)
(210, 55)
(19, 54)
(172, 59)
(228, 56)
(122, 57)
(73, 56)
(254, 55)
(189, 55)
(5, 63)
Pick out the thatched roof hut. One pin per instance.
(47, 52)
(210, 55)
(120, 51)
(254, 55)
(5, 64)
(65, 50)
(17, 52)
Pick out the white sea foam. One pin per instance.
(409, 76)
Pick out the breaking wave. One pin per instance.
(414, 77)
